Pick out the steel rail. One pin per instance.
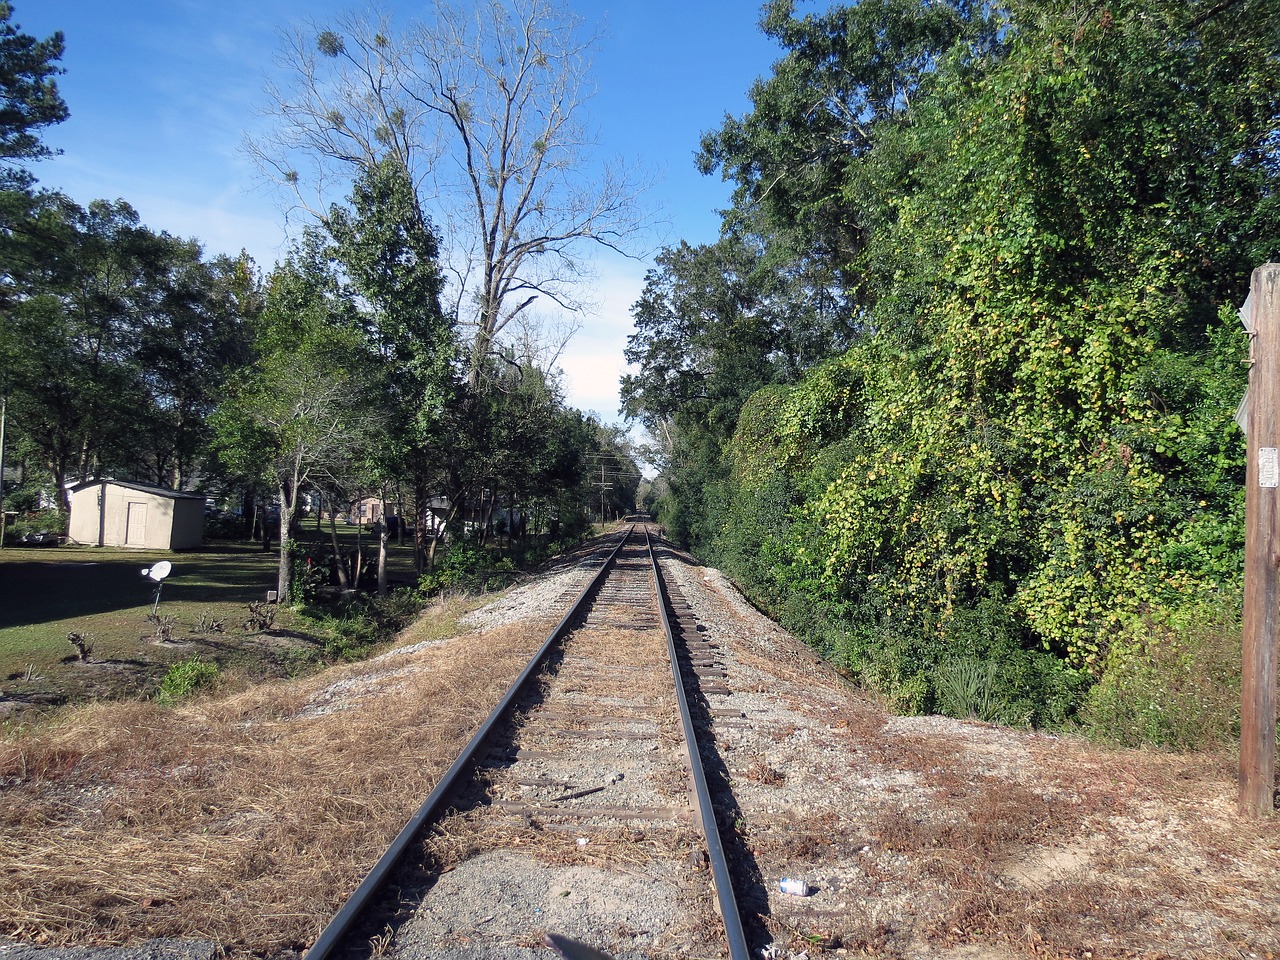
(734, 933)
(332, 934)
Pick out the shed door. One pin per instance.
(135, 533)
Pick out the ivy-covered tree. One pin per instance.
(713, 324)
(1027, 457)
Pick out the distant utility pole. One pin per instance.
(1260, 415)
(603, 485)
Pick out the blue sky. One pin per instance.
(161, 93)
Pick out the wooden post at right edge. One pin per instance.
(1261, 551)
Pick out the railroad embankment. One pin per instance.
(244, 820)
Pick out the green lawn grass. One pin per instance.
(100, 593)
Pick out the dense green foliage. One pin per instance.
(116, 343)
(305, 410)
(115, 340)
(1042, 218)
(339, 381)
(467, 568)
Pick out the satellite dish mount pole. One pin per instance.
(157, 573)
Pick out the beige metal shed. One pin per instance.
(111, 513)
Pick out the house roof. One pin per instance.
(140, 487)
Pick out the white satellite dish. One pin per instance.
(156, 574)
(159, 571)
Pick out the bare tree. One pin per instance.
(484, 107)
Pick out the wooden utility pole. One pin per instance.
(1261, 316)
(603, 485)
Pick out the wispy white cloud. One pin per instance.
(592, 362)
(223, 224)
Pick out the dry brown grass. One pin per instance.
(760, 772)
(1091, 856)
(994, 843)
(245, 820)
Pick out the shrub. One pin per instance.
(36, 521)
(347, 636)
(262, 615)
(1177, 687)
(163, 624)
(224, 527)
(396, 610)
(83, 648)
(312, 570)
(186, 677)
(466, 567)
(965, 688)
(364, 622)
(975, 663)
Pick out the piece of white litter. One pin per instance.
(583, 841)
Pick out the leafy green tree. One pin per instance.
(847, 75)
(29, 98)
(187, 345)
(306, 409)
(701, 344)
(29, 101)
(118, 340)
(714, 324)
(389, 253)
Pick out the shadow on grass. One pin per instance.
(40, 585)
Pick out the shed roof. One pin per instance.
(140, 487)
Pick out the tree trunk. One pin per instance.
(64, 498)
(339, 562)
(382, 548)
(458, 497)
(284, 577)
(264, 520)
(486, 522)
(421, 515)
(357, 563)
(437, 533)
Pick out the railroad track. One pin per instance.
(587, 781)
